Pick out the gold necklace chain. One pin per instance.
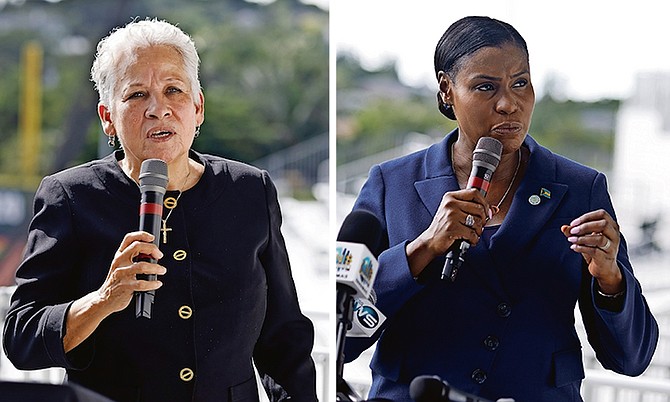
(164, 228)
(494, 208)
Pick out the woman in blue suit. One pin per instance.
(544, 239)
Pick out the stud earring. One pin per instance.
(445, 108)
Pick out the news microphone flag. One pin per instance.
(367, 319)
(356, 267)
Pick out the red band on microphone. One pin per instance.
(143, 258)
(151, 209)
(479, 183)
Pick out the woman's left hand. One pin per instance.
(595, 235)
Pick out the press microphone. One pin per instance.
(485, 160)
(153, 183)
(367, 318)
(357, 247)
(427, 388)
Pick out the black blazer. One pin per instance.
(228, 295)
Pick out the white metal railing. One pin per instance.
(654, 384)
(351, 175)
(321, 352)
(605, 386)
(305, 157)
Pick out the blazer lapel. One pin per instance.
(525, 218)
(438, 174)
(439, 179)
(432, 190)
(535, 201)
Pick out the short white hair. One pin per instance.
(138, 35)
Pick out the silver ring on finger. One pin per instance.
(469, 221)
(607, 245)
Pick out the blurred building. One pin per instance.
(638, 182)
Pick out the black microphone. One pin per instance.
(358, 246)
(427, 388)
(485, 160)
(153, 183)
(362, 227)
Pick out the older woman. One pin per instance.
(225, 297)
(543, 240)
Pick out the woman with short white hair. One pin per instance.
(224, 294)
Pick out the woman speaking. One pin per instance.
(224, 295)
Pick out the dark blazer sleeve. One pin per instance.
(624, 341)
(394, 283)
(283, 351)
(35, 323)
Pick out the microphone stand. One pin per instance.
(345, 316)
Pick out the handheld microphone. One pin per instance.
(153, 183)
(427, 388)
(485, 160)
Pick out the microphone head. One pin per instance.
(153, 175)
(362, 227)
(487, 153)
(427, 388)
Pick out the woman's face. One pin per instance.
(492, 96)
(152, 110)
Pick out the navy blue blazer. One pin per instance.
(505, 327)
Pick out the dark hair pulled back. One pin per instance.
(463, 38)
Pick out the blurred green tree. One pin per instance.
(264, 73)
(375, 111)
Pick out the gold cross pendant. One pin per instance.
(165, 229)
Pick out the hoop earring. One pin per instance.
(111, 141)
(197, 132)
